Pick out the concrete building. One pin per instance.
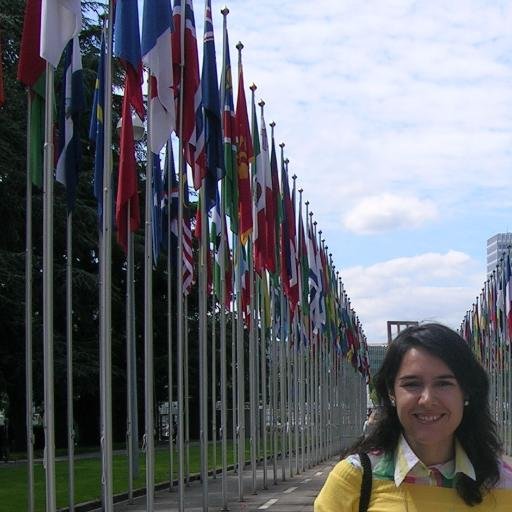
(496, 246)
(376, 355)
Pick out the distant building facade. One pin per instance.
(496, 246)
(376, 355)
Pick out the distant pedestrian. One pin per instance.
(374, 416)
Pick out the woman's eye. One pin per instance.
(444, 383)
(410, 384)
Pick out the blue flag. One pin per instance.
(170, 209)
(71, 107)
(211, 104)
(97, 129)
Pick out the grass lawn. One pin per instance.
(13, 478)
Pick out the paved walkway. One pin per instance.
(295, 494)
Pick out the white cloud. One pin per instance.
(387, 212)
(431, 286)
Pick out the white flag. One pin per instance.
(61, 20)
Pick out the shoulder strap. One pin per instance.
(366, 483)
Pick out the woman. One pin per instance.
(435, 446)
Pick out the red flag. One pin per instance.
(289, 276)
(193, 132)
(127, 193)
(31, 66)
(245, 154)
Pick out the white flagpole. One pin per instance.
(106, 285)
(179, 292)
(169, 169)
(282, 363)
(223, 351)
(49, 398)
(69, 358)
(263, 380)
(273, 368)
(148, 328)
(131, 395)
(214, 383)
(240, 352)
(203, 350)
(28, 319)
(252, 341)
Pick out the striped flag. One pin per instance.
(170, 211)
(222, 256)
(71, 107)
(61, 20)
(127, 48)
(212, 114)
(288, 244)
(31, 73)
(314, 280)
(258, 176)
(273, 220)
(193, 133)
(188, 256)
(157, 55)
(230, 183)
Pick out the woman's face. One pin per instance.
(429, 403)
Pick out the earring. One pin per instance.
(466, 403)
(392, 400)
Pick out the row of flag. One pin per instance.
(487, 326)
(230, 153)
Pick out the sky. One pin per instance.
(397, 120)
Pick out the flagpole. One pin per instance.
(240, 373)
(296, 386)
(252, 341)
(106, 285)
(223, 351)
(187, 397)
(234, 386)
(263, 362)
(300, 350)
(28, 319)
(179, 292)
(282, 363)
(214, 383)
(203, 349)
(263, 378)
(273, 350)
(130, 356)
(170, 168)
(148, 326)
(69, 359)
(240, 349)
(48, 359)
(290, 361)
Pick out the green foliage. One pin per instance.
(85, 280)
(13, 480)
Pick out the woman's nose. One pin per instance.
(426, 395)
